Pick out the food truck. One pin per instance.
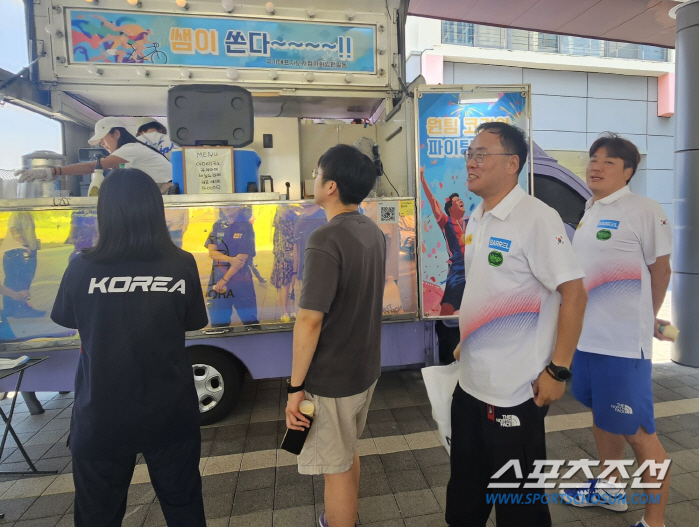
(316, 75)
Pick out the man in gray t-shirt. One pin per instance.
(337, 335)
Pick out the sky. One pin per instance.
(21, 131)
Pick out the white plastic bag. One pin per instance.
(440, 382)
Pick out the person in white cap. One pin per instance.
(111, 134)
(153, 133)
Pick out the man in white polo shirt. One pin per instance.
(623, 243)
(520, 320)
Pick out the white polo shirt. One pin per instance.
(617, 239)
(138, 155)
(516, 255)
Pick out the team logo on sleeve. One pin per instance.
(604, 234)
(500, 244)
(559, 240)
(608, 224)
(663, 222)
(495, 258)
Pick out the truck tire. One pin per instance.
(218, 377)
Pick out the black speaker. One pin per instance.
(205, 114)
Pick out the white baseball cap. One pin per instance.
(147, 120)
(103, 126)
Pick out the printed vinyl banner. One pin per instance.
(446, 127)
(182, 40)
(265, 291)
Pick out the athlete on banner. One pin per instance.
(453, 224)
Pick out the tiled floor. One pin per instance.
(249, 483)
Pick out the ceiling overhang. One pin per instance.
(637, 21)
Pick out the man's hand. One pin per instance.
(39, 174)
(295, 420)
(221, 286)
(19, 296)
(657, 334)
(547, 389)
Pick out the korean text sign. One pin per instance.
(446, 127)
(181, 40)
(208, 170)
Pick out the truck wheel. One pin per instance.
(218, 377)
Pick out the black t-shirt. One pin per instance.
(231, 239)
(343, 277)
(134, 388)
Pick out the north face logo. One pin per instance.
(508, 421)
(622, 408)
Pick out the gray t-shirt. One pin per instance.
(343, 277)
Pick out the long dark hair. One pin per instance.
(130, 219)
(125, 137)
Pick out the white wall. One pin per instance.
(282, 161)
(571, 108)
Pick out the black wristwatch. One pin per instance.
(559, 373)
(294, 389)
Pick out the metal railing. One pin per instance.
(466, 34)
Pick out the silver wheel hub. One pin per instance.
(209, 384)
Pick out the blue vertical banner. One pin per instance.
(109, 37)
(446, 127)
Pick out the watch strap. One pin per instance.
(551, 374)
(294, 389)
(553, 370)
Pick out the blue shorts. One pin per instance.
(454, 288)
(619, 391)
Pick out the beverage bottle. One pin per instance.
(294, 439)
(97, 178)
(669, 331)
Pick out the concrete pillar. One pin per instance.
(685, 280)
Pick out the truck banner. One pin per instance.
(447, 121)
(109, 37)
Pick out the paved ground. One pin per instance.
(249, 483)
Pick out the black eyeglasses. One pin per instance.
(480, 156)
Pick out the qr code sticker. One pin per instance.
(388, 213)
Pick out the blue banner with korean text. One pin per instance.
(108, 37)
(446, 126)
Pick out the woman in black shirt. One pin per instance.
(132, 297)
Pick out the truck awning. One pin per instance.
(635, 21)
